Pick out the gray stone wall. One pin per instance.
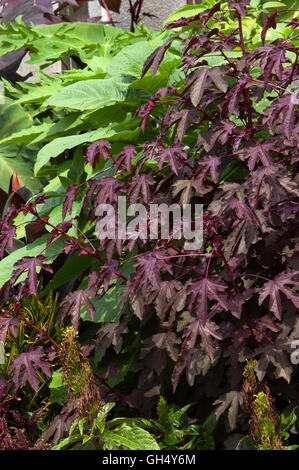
(162, 9)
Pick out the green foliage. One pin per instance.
(177, 432)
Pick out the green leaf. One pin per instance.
(132, 437)
(288, 418)
(57, 146)
(107, 308)
(39, 93)
(16, 156)
(90, 94)
(69, 270)
(33, 249)
(58, 391)
(67, 442)
(210, 423)
(185, 11)
(26, 135)
(273, 5)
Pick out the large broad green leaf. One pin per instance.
(116, 132)
(107, 308)
(39, 93)
(26, 135)
(16, 156)
(57, 146)
(58, 391)
(91, 33)
(127, 65)
(89, 94)
(132, 437)
(33, 249)
(70, 269)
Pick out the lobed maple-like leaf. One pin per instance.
(100, 147)
(148, 267)
(140, 186)
(125, 158)
(222, 132)
(283, 109)
(69, 199)
(271, 60)
(210, 288)
(71, 305)
(201, 78)
(103, 276)
(186, 188)
(273, 288)
(231, 99)
(167, 341)
(231, 401)
(175, 156)
(28, 263)
(110, 334)
(7, 234)
(207, 166)
(8, 323)
(258, 152)
(24, 367)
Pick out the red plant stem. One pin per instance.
(52, 242)
(208, 266)
(108, 12)
(87, 239)
(76, 242)
(270, 84)
(242, 44)
(29, 323)
(82, 247)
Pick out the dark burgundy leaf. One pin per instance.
(175, 156)
(100, 147)
(210, 288)
(71, 305)
(30, 264)
(273, 288)
(103, 276)
(240, 6)
(69, 199)
(125, 158)
(148, 267)
(8, 323)
(269, 23)
(207, 166)
(155, 59)
(222, 132)
(259, 151)
(25, 365)
(283, 110)
(140, 187)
